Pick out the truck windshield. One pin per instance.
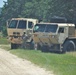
(13, 24)
(39, 28)
(22, 24)
(45, 28)
(51, 28)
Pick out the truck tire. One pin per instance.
(44, 49)
(13, 46)
(28, 45)
(69, 46)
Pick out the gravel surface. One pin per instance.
(12, 65)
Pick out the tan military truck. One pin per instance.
(16, 27)
(59, 37)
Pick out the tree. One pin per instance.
(40, 9)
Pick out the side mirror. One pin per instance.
(7, 22)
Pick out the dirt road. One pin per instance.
(12, 65)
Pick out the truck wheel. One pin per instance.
(69, 46)
(29, 45)
(32, 45)
(44, 49)
(13, 46)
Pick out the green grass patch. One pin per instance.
(60, 64)
(6, 47)
(3, 40)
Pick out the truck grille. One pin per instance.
(15, 36)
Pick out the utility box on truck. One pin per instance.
(55, 36)
(17, 27)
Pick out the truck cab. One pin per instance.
(55, 36)
(17, 27)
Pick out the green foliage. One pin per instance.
(0, 10)
(3, 41)
(40, 9)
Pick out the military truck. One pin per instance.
(16, 27)
(59, 37)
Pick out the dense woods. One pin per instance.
(0, 10)
(39, 9)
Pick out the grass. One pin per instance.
(3, 40)
(60, 64)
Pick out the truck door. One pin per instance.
(62, 34)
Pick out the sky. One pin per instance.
(2, 3)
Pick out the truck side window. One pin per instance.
(30, 24)
(61, 30)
